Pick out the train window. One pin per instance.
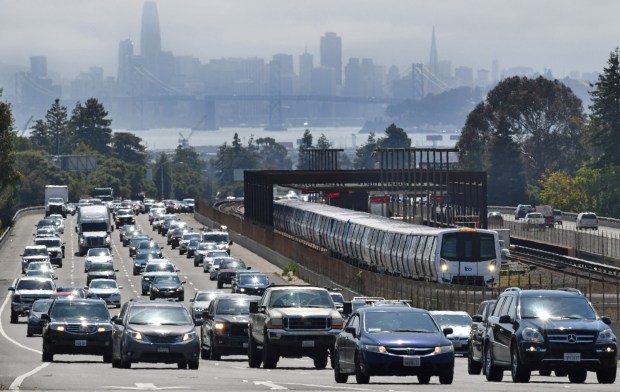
(413, 256)
(372, 246)
(458, 246)
(487, 246)
(420, 262)
(448, 248)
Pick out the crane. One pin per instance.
(184, 141)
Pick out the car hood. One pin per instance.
(458, 331)
(98, 259)
(234, 318)
(101, 273)
(36, 258)
(162, 329)
(104, 291)
(78, 320)
(167, 285)
(305, 311)
(405, 339)
(35, 292)
(565, 325)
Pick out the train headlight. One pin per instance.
(443, 266)
(492, 267)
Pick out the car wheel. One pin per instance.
(193, 365)
(107, 358)
(254, 354)
(182, 365)
(340, 378)
(214, 355)
(151, 297)
(578, 376)
(473, 367)
(270, 355)
(320, 360)
(361, 377)
(520, 373)
(47, 355)
(561, 373)
(29, 332)
(545, 372)
(14, 317)
(424, 378)
(446, 377)
(606, 375)
(116, 363)
(219, 284)
(492, 372)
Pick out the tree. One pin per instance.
(559, 190)
(601, 187)
(41, 137)
(604, 127)
(10, 177)
(302, 155)
(273, 155)
(57, 124)
(90, 125)
(128, 148)
(474, 141)
(323, 142)
(395, 137)
(365, 154)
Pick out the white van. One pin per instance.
(587, 220)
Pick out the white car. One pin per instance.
(106, 289)
(201, 302)
(60, 227)
(97, 255)
(460, 322)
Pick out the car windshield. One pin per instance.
(298, 298)
(101, 267)
(103, 284)
(206, 296)
(39, 267)
(192, 236)
(50, 243)
(46, 222)
(35, 251)
(193, 242)
(166, 279)
(556, 308)
(233, 306)
(149, 245)
(337, 298)
(84, 311)
(232, 265)
(124, 212)
(159, 267)
(41, 306)
(35, 285)
(137, 240)
(393, 321)
(452, 319)
(98, 252)
(151, 315)
(217, 238)
(254, 279)
(218, 253)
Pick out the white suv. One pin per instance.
(587, 220)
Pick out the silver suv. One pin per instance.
(586, 220)
(27, 290)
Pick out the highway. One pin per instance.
(20, 357)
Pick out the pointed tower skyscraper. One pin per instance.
(150, 37)
(433, 62)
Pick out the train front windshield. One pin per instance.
(468, 246)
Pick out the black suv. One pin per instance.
(77, 326)
(477, 335)
(548, 330)
(153, 332)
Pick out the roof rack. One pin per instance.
(512, 289)
(571, 290)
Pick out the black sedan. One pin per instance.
(135, 242)
(101, 271)
(225, 326)
(393, 341)
(167, 286)
(149, 247)
(251, 283)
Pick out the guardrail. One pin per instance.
(569, 216)
(24, 211)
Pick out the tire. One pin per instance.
(492, 372)
(606, 375)
(270, 355)
(181, 298)
(578, 376)
(254, 354)
(214, 355)
(320, 360)
(29, 333)
(107, 358)
(144, 292)
(151, 297)
(424, 378)
(561, 373)
(47, 355)
(14, 317)
(193, 365)
(182, 365)
(446, 377)
(520, 372)
(544, 373)
(124, 363)
(220, 284)
(473, 367)
(116, 363)
(339, 377)
(361, 377)
(204, 353)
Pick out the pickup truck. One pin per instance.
(534, 220)
(292, 321)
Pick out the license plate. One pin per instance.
(411, 361)
(163, 349)
(307, 343)
(572, 357)
(456, 344)
(245, 345)
(80, 343)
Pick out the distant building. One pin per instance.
(464, 77)
(306, 63)
(331, 55)
(482, 78)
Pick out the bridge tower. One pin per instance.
(275, 98)
(417, 81)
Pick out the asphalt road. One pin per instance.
(20, 357)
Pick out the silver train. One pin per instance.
(447, 255)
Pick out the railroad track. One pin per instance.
(566, 265)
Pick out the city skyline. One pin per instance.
(75, 36)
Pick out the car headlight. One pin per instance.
(444, 349)
(179, 289)
(242, 290)
(136, 264)
(59, 328)
(531, 335)
(220, 326)
(135, 335)
(275, 322)
(104, 328)
(606, 336)
(374, 349)
(337, 323)
(155, 289)
(189, 336)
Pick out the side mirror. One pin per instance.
(350, 330)
(253, 306)
(76, 230)
(55, 277)
(120, 287)
(117, 321)
(477, 318)
(606, 320)
(115, 270)
(448, 331)
(11, 288)
(230, 243)
(347, 308)
(85, 287)
(505, 319)
(45, 317)
(249, 268)
(191, 300)
(183, 282)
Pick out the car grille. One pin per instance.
(572, 337)
(410, 350)
(239, 329)
(300, 323)
(81, 329)
(53, 253)
(164, 338)
(95, 241)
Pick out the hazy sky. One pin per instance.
(563, 35)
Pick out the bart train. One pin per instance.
(446, 255)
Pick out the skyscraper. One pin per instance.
(433, 62)
(150, 37)
(125, 66)
(306, 63)
(331, 55)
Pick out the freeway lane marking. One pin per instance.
(144, 386)
(270, 385)
(326, 386)
(18, 381)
